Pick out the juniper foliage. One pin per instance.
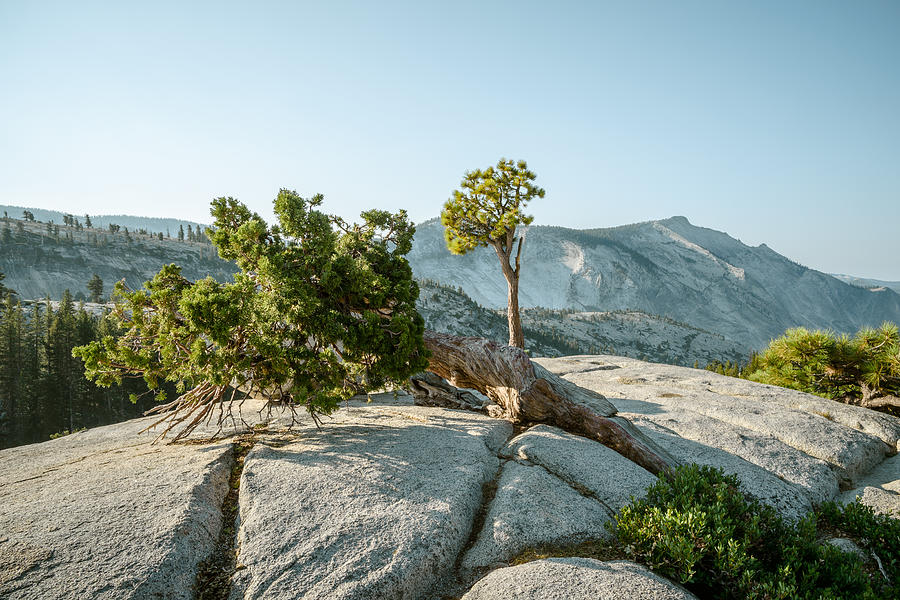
(321, 310)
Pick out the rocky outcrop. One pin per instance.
(558, 333)
(378, 504)
(575, 579)
(880, 489)
(393, 500)
(532, 508)
(39, 264)
(103, 514)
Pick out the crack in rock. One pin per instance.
(214, 574)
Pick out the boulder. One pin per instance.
(880, 489)
(814, 477)
(533, 508)
(576, 579)
(850, 438)
(377, 504)
(105, 514)
(584, 464)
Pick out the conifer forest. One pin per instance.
(43, 391)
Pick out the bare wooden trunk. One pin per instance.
(516, 338)
(528, 393)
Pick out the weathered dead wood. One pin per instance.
(882, 401)
(529, 393)
(431, 390)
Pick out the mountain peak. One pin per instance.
(676, 219)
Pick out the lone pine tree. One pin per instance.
(485, 211)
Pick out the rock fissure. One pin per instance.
(488, 493)
(58, 466)
(590, 370)
(214, 574)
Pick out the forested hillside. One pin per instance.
(43, 390)
(565, 332)
(167, 226)
(43, 259)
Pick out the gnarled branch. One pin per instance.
(527, 392)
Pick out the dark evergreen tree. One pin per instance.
(43, 390)
(11, 356)
(4, 291)
(95, 287)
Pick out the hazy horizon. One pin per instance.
(774, 123)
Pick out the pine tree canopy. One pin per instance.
(321, 310)
(857, 369)
(489, 206)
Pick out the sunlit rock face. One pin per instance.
(694, 275)
(393, 500)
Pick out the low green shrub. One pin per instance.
(697, 527)
(65, 432)
(855, 369)
(879, 534)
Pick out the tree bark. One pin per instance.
(528, 393)
(511, 274)
(516, 338)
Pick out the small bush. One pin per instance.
(879, 534)
(695, 526)
(842, 368)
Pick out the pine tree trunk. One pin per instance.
(516, 338)
(528, 393)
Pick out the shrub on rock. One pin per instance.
(695, 526)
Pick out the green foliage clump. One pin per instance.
(695, 526)
(879, 534)
(65, 432)
(855, 369)
(320, 311)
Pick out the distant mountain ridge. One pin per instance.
(668, 267)
(133, 223)
(868, 283)
(664, 291)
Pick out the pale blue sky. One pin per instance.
(777, 122)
